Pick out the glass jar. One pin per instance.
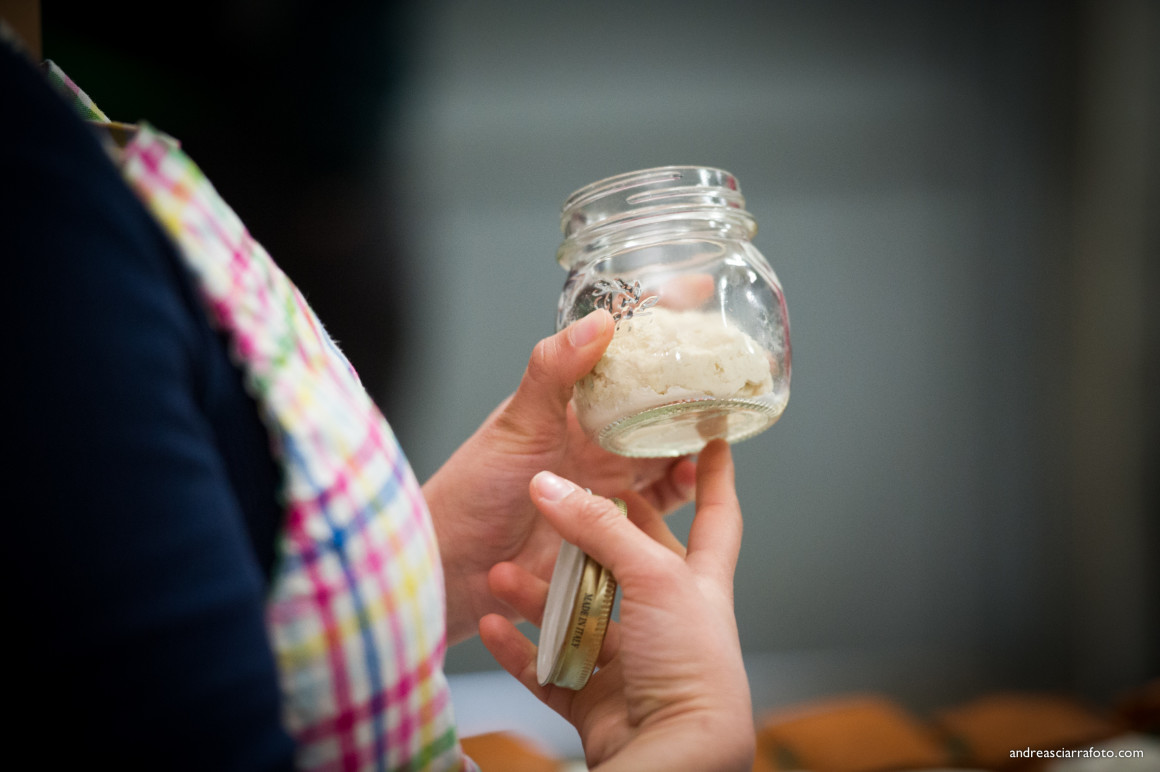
(701, 349)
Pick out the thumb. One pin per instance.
(555, 366)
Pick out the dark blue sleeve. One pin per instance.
(140, 517)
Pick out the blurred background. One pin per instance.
(960, 199)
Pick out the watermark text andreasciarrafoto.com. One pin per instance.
(1076, 753)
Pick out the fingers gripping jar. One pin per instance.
(701, 349)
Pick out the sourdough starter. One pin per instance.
(664, 356)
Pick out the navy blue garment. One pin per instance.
(141, 513)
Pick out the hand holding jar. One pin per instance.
(700, 351)
(670, 691)
(479, 498)
(700, 357)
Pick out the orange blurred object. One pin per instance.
(851, 734)
(987, 730)
(506, 752)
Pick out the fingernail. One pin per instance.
(587, 329)
(552, 487)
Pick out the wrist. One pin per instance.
(467, 597)
(456, 609)
(460, 621)
(697, 744)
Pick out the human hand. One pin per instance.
(670, 691)
(479, 499)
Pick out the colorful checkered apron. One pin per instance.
(356, 607)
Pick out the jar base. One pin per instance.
(683, 428)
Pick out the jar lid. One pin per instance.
(576, 616)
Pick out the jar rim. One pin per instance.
(646, 192)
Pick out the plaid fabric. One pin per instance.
(64, 85)
(356, 610)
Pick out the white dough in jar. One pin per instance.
(664, 356)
